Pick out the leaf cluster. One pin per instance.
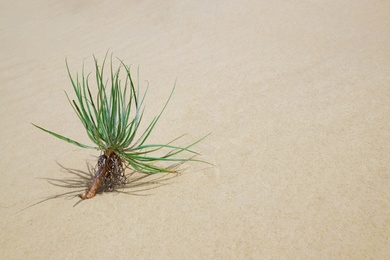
(113, 116)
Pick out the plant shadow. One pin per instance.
(78, 181)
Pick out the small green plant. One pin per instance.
(112, 121)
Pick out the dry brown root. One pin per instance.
(115, 174)
(110, 174)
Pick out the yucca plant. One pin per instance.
(112, 121)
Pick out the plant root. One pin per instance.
(115, 174)
(110, 174)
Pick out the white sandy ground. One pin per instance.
(295, 93)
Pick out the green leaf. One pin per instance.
(66, 139)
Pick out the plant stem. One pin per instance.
(99, 175)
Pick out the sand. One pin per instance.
(295, 93)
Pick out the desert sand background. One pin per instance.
(295, 93)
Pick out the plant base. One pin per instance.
(109, 175)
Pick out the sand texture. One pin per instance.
(295, 93)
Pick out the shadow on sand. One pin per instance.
(78, 181)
